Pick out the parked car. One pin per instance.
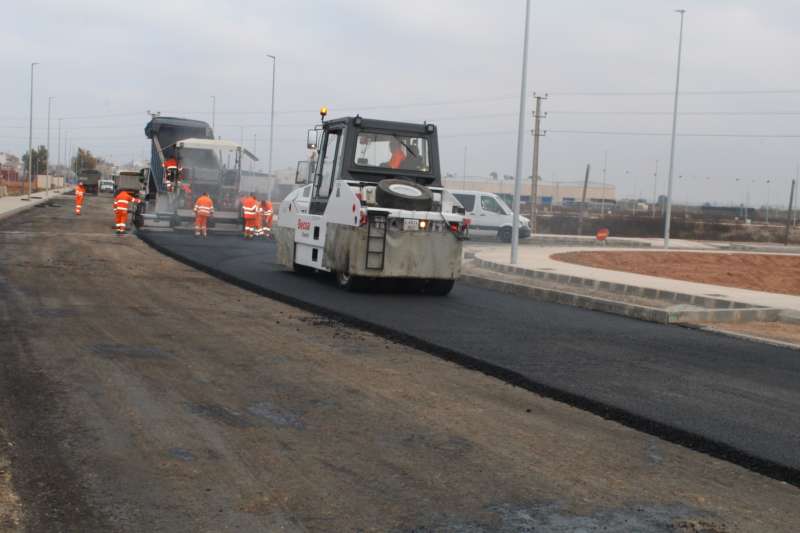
(490, 215)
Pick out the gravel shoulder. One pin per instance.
(141, 395)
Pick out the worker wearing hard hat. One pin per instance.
(123, 201)
(80, 191)
(203, 208)
(250, 214)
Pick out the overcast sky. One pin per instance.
(452, 62)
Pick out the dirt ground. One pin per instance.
(759, 272)
(141, 395)
(10, 509)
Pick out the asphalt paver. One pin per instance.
(732, 398)
(139, 394)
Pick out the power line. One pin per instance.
(685, 113)
(683, 93)
(660, 134)
(351, 107)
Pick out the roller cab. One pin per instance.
(372, 207)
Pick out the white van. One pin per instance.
(490, 215)
(106, 185)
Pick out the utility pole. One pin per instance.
(768, 181)
(30, 139)
(582, 212)
(668, 214)
(66, 151)
(58, 164)
(537, 114)
(603, 198)
(520, 135)
(797, 179)
(655, 189)
(789, 215)
(47, 161)
(464, 169)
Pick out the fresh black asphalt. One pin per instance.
(734, 399)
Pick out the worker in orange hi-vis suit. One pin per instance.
(171, 173)
(398, 154)
(203, 208)
(80, 191)
(250, 214)
(266, 217)
(122, 202)
(259, 226)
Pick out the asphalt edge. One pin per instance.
(625, 418)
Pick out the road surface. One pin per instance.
(138, 394)
(735, 399)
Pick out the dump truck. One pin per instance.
(91, 179)
(185, 162)
(131, 181)
(375, 208)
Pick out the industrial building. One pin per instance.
(551, 193)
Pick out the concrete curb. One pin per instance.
(565, 240)
(686, 308)
(630, 290)
(650, 314)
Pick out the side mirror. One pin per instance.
(312, 142)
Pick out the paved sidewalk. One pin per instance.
(11, 205)
(539, 259)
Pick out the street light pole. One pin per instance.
(668, 213)
(271, 127)
(30, 139)
(520, 135)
